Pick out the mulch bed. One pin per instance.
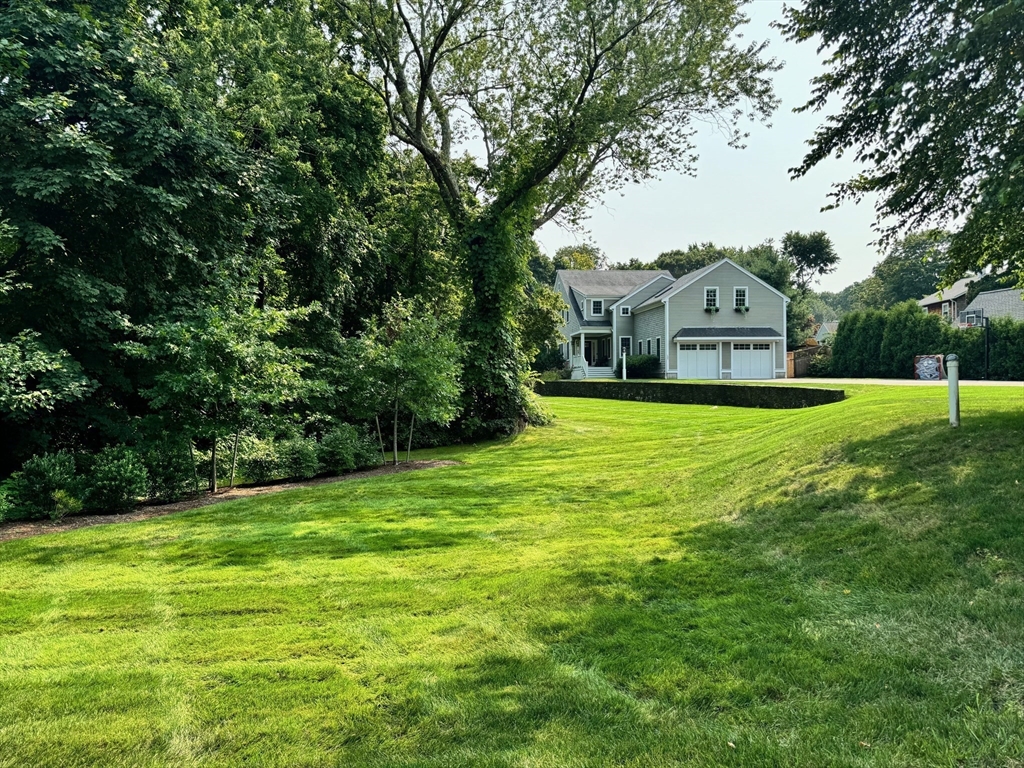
(24, 528)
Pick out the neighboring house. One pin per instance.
(826, 331)
(1006, 302)
(949, 302)
(719, 322)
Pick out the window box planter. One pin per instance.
(743, 310)
(711, 310)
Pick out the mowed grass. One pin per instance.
(637, 585)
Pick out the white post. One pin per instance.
(953, 370)
(623, 367)
(583, 353)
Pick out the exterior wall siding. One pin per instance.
(650, 324)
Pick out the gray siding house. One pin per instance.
(719, 322)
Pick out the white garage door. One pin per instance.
(752, 361)
(698, 361)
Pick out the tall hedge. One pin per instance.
(884, 344)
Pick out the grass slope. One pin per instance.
(640, 584)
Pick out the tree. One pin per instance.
(582, 256)
(633, 263)
(567, 100)
(913, 267)
(218, 369)
(929, 101)
(407, 362)
(811, 255)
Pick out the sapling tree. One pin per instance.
(407, 361)
(218, 369)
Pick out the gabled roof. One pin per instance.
(1006, 302)
(581, 320)
(688, 279)
(662, 274)
(607, 282)
(955, 291)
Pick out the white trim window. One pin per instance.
(711, 297)
(626, 345)
(596, 307)
(946, 311)
(740, 296)
(623, 311)
(657, 347)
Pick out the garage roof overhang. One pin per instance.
(734, 333)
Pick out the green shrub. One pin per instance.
(117, 480)
(738, 395)
(337, 450)
(549, 359)
(639, 367)
(259, 463)
(820, 366)
(298, 457)
(170, 469)
(367, 453)
(6, 505)
(31, 490)
(64, 504)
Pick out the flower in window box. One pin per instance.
(744, 309)
(711, 310)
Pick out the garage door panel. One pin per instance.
(698, 361)
(753, 361)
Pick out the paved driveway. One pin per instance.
(900, 382)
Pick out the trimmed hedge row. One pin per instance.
(738, 395)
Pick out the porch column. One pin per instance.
(583, 349)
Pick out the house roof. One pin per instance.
(692, 277)
(608, 282)
(727, 332)
(661, 274)
(955, 291)
(1006, 302)
(827, 328)
(581, 319)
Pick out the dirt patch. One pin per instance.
(23, 529)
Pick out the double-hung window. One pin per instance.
(597, 307)
(710, 298)
(739, 296)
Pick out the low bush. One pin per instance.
(549, 359)
(64, 504)
(31, 490)
(820, 366)
(260, 463)
(639, 367)
(6, 505)
(298, 458)
(172, 475)
(117, 480)
(367, 452)
(337, 449)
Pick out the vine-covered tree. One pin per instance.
(566, 100)
(929, 100)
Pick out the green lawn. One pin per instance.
(640, 584)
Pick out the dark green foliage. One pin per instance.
(31, 490)
(117, 479)
(549, 359)
(260, 463)
(738, 395)
(639, 367)
(297, 458)
(926, 96)
(169, 467)
(811, 255)
(874, 343)
(367, 452)
(908, 330)
(337, 450)
(820, 366)
(1006, 352)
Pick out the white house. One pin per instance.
(719, 322)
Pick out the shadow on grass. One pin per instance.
(839, 616)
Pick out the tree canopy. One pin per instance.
(928, 99)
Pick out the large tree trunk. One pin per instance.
(494, 402)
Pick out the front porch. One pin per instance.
(591, 354)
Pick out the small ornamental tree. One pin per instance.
(216, 370)
(407, 361)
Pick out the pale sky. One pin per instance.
(741, 197)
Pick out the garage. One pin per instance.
(698, 361)
(753, 361)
